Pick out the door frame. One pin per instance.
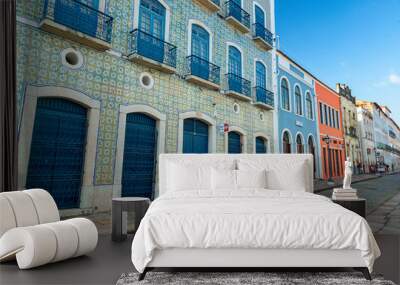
(160, 119)
(26, 130)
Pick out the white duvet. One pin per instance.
(253, 218)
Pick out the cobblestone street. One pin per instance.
(383, 202)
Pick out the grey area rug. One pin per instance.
(236, 278)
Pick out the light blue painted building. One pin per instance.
(297, 130)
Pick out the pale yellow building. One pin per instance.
(350, 126)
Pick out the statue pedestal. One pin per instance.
(344, 194)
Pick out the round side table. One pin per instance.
(120, 208)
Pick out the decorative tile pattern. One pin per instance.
(114, 80)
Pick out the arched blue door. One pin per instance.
(152, 25)
(139, 156)
(235, 69)
(195, 136)
(200, 51)
(234, 143)
(57, 150)
(261, 146)
(81, 17)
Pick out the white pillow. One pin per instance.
(182, 178)
(292, 179)
(224, 179)
(251, 178)
(286, 173)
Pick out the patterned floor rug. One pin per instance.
(244, 278)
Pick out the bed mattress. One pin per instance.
(250, 219)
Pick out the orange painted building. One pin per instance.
(330, 124)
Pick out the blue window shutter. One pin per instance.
(261, 75)
(152, 18)
(260, 17)
(200, 51)
(65, 13)
(200, 42)
(285, 95)
(235, 61)
(152, 22)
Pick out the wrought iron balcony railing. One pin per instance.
(260, 31)
(232, 9)
(79, 17)
(237, 84)
(149, 46)
(264, 96)
(202, 68)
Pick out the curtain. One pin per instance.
(8, 123)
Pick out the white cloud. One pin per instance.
(394, 79)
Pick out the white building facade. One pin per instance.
(367, 140)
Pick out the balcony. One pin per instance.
(352, 132)
(151, 51)
(237, 17)
(263, 98)
(263, 37)
(237, 87)
(211, 5)
(79, 22)
(202, 72)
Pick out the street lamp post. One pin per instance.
(327, 140)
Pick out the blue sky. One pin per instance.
(356, 42)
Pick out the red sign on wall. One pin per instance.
(226, 127)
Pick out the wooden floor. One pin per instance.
(110, 260)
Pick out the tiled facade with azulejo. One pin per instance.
(106, 85)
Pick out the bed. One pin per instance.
(246, 211)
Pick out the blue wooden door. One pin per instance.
(235, 69)
(139, 156)
(57, 150)
(200, 50)
(152, 25)
(195, 136)
(261, 146)
(80, 16)
(234, 144)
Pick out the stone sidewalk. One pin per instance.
(386, 218)
(320, 184)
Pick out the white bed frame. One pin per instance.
(251, 258)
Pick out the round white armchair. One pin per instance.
(31, 230)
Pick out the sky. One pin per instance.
(356, 42)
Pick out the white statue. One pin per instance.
(348, 172)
